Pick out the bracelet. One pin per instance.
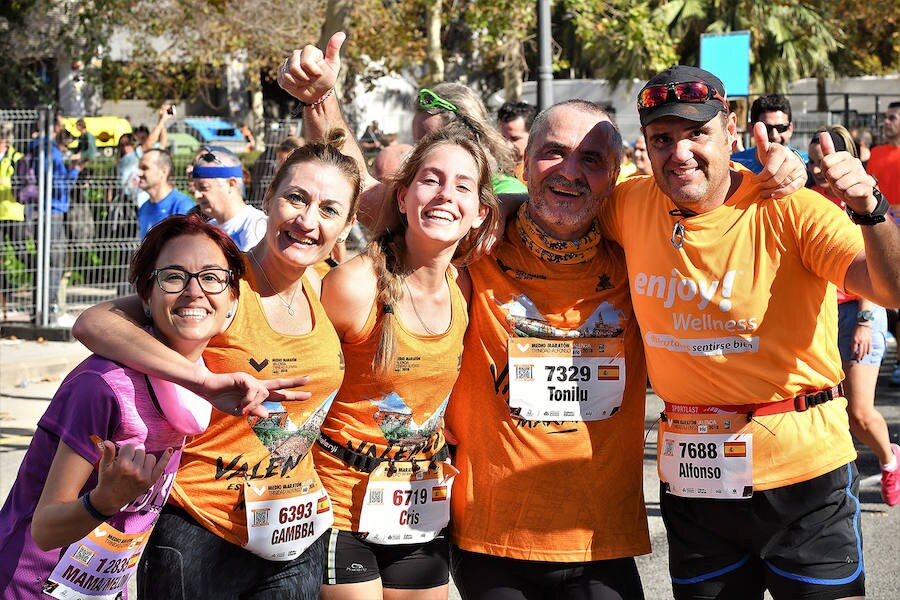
(95, 514)
(298, 110)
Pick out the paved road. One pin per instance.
(20, 408)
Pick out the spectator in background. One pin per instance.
(773, 111)
(627, 169)
(87, 143)
(370, 142)
(154, 175)
(248, 137)
(286, 146)
(126, 169)
(389, 160)
(447, 102)
(862, 137)
(884, 164)
(12, 212)
(218, 187)
(862, 326)
(514, 121)
(884, 159)
(63, 178)
(641, 158)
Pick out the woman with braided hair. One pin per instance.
(401, 315)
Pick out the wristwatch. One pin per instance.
(865, 317)
(874, 217)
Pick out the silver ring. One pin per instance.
(284, 65)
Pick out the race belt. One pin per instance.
(367, 463)
(799, 403)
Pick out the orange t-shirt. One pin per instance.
(214, 464)
(399, 415)
(744, 313)
(557, 491)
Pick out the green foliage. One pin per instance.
(181, 46)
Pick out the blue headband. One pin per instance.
(216, 172)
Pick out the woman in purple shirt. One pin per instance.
(104, 456)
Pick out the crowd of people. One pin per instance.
(465, 397)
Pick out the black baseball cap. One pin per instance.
(699, 111)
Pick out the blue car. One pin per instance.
(214, 132)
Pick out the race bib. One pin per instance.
(407, 506)
(98, 566)
(285, 517)
(706, 455)
(566, 380)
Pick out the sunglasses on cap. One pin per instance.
(780, 128)
(428, 99)
(208, 156)
(695, 92)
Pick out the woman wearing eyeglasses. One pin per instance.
(247, 514)
(401, 317)
(102, 461)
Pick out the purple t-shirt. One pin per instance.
(102, 398)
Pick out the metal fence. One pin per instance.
(55, 266)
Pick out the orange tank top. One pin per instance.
(397, 416)
(216, 463)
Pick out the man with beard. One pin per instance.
(735, 296)
(549, 420)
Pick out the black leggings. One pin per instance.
(482, 576)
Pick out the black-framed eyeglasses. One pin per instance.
(694, 92)
(174, 280)
(428, 99)
(780, 127)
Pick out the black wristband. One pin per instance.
(877, 214)
(92, 510)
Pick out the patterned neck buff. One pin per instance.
(556, 251)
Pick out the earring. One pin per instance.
(229, 314)
(341, 240)
(146, 312)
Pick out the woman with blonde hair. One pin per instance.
(449, 102)
(247, 512)
(401, 316)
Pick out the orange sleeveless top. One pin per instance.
(398, 416)
(215, 464)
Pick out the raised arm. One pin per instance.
(116, 329)
(309, 75)
(159, 134)
(62, 517)
(875, 272)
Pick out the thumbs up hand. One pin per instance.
(309, 74)
(846, 177)
(784, 172)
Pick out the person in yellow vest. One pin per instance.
(401, 316)
(12, 212)
(248, 512)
